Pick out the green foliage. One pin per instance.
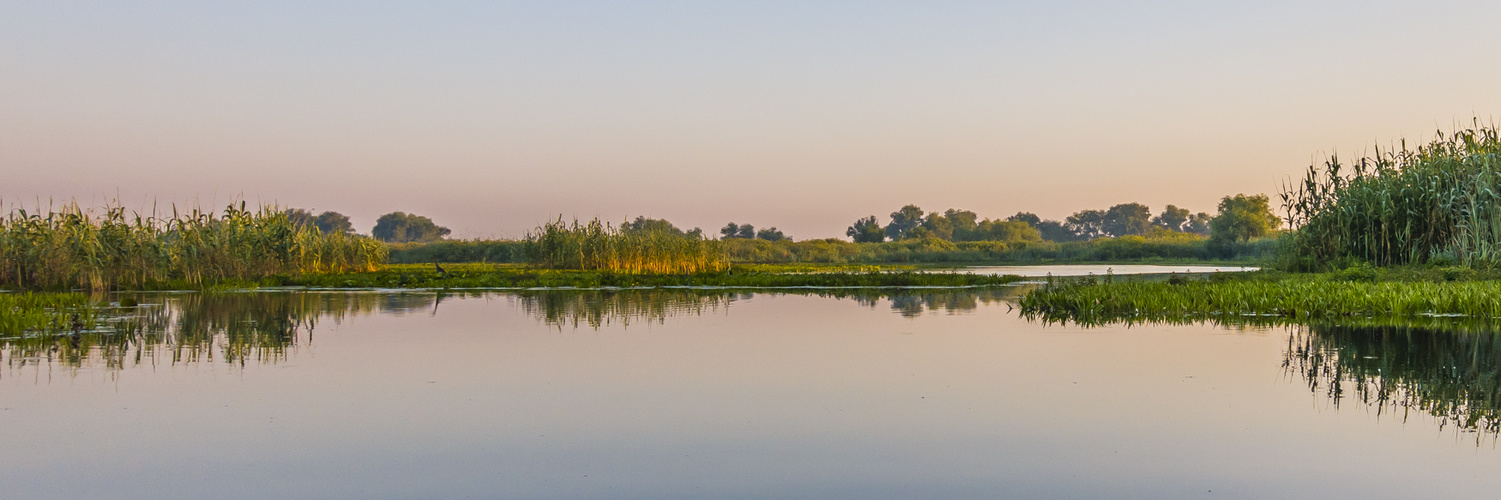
(44, 312)
(742, 231)
(866, 230)
(904, 222)
(1440, 200)
(77, 248)
(328, 222)
(401, 227)
(597, 246)
(643, 224)
(1243, 217)
(446, 251)
(771, 234)
(1126, 219)
(1172, 218)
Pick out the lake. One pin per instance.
(712, 394)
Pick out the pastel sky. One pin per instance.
(491, 117)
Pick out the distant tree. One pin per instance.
(747, 232)
(1126, 219)
(1198, 224)
(399, 227)
(1172, 218)
(771, 234)
(1052, 230)
(1243, 217)
(936, 225)
(643, 224)
(866, 230)
(731, 230)
(903, 222)
(334, 222)
(1008, 230)
(965, 224)
(1086, 224)
(1027, 217)
(695, 233)
(327, 222)
(299, 216)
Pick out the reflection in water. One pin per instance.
(1452, 374)
(263, 326)
(174, 328)
(596, 308)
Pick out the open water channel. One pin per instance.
(732, 394)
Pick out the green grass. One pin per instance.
(513, 276)
(1290, 297)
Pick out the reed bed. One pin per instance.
(1441, 200)
(100, 250)
(600, 246)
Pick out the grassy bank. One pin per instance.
(512, 276)
(1406, 294)
(1180, 248)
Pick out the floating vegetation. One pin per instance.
(1453, 375)
(1091, 302)
(73, 247)
(1440, 201)
(600, 246)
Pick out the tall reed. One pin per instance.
(600, 246)
(100, 250)
(1440, 200)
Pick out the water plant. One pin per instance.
(1440, 200)
(600, 246)
(110, 248)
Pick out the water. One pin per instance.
(683, 394)
(1101, 269)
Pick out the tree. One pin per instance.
(866, 230)
(1007, 230)
(936, 225)
(1027, 217)
(1243, 217)
(965, 224)
(1172, 218)
(1198, 224)
(1086, 224)
(1052, 230)
(771, 234)
(334, 222)
(1126, 219)
(399, 227)
(643, 224)
(903, 222)
(731, 230)
(327, 222)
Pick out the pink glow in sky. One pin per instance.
(799, 115)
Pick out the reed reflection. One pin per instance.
(1452, 374)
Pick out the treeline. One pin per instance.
(394, 227)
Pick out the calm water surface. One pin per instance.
(658, 394)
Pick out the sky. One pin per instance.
(492, 117)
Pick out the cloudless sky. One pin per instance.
(491, 117)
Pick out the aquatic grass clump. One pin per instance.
(600, 246)
(1440, 201)
(77, 248)
(1092, 303)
